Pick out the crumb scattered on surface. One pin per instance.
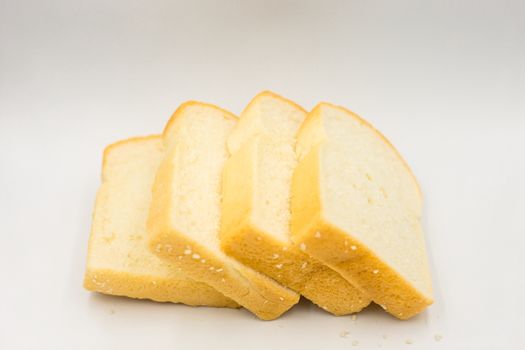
(302, 246)
(355, 343)
(354, 317)
(344, 334)
(438, 337)
(408, 341)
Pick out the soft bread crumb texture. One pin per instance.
(356, 206)
(185, 212)
(119, 261)
(256, 205)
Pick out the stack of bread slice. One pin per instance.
(257, 210)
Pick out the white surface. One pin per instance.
(444, 80)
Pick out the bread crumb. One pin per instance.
(158, 248)
(408, 341)
(302, 246)
(375, 272)
(438, 337)
(266, 301)
(275, 256)
(355, 343)
(187, 252)
(196, 256)
(169, 248)
(353, 247)
(384, 307)
(110, 238)
(303, 266)
(279, 266)
(203, 261)
(281, 298)
(218, 270)
(179, 257)
(318, 234)
(354, 317)
(344, 334)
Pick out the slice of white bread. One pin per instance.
(185, 213)
(256, 205)
(356, 206)
(119, 261)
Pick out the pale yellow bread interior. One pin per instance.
(356, 206)
(256, 205)
(119, 260)
(185, 213)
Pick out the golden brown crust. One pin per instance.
(179, 111)
(274, 95)
(154, 288)
(341, 251)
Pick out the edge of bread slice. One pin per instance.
(256, 205)
(184, 217)
(356, 206)
(119, 261)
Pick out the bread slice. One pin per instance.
(185, 212)
(257, 178)
(119, 261)
(356, 206)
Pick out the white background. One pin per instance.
(444, 80)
